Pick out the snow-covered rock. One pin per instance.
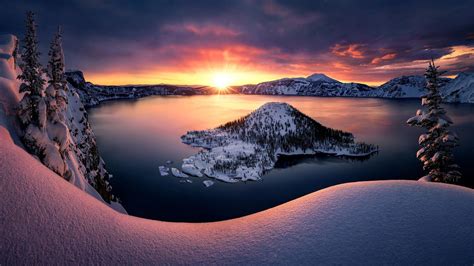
(208, 183)
(177, 173)
(164, 171)
(247, 147)
(188, 167)
(44, 220)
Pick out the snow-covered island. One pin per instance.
(244, 149)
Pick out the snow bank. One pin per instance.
(45, 220)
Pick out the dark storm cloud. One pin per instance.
(101, 34)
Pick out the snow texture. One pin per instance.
(45, 220)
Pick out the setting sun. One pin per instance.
(222, 80)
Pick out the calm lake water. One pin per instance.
(135, 137)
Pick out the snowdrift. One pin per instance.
(46, 220)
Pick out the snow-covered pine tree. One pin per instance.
(31, 107)
(437, 144)
(56, 91)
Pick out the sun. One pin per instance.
(222, 81)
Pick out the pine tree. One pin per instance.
(56, 91)
(31, 105)
(436, 144)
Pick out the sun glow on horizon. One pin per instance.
(222, 80)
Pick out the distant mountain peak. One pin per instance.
(321, 77)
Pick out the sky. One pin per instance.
(248, 41)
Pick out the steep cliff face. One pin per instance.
(88, 162)
(68, 148)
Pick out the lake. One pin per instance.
(135, 137)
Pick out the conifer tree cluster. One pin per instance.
(42, 113)
(436, 152)
(32, 104)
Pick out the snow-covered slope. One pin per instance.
(245, 148)
(87, 169)
(44, 220)
(460, 89)
(404, 87)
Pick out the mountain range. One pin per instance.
(457, 90)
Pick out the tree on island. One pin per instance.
(436, 152)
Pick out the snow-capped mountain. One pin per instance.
(321, 77)
(245, 148)
(460, 89)
(314, 85)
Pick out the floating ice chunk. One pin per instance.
(163, 170)
(191, 170)
(169, 162)
(189, 181)
(178, 173)
(208, 183)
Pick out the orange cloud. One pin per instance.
(351, 50)
(377, 60)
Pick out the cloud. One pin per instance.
(369, 41)
(201, 29)
(350, 50)
(386, 57)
